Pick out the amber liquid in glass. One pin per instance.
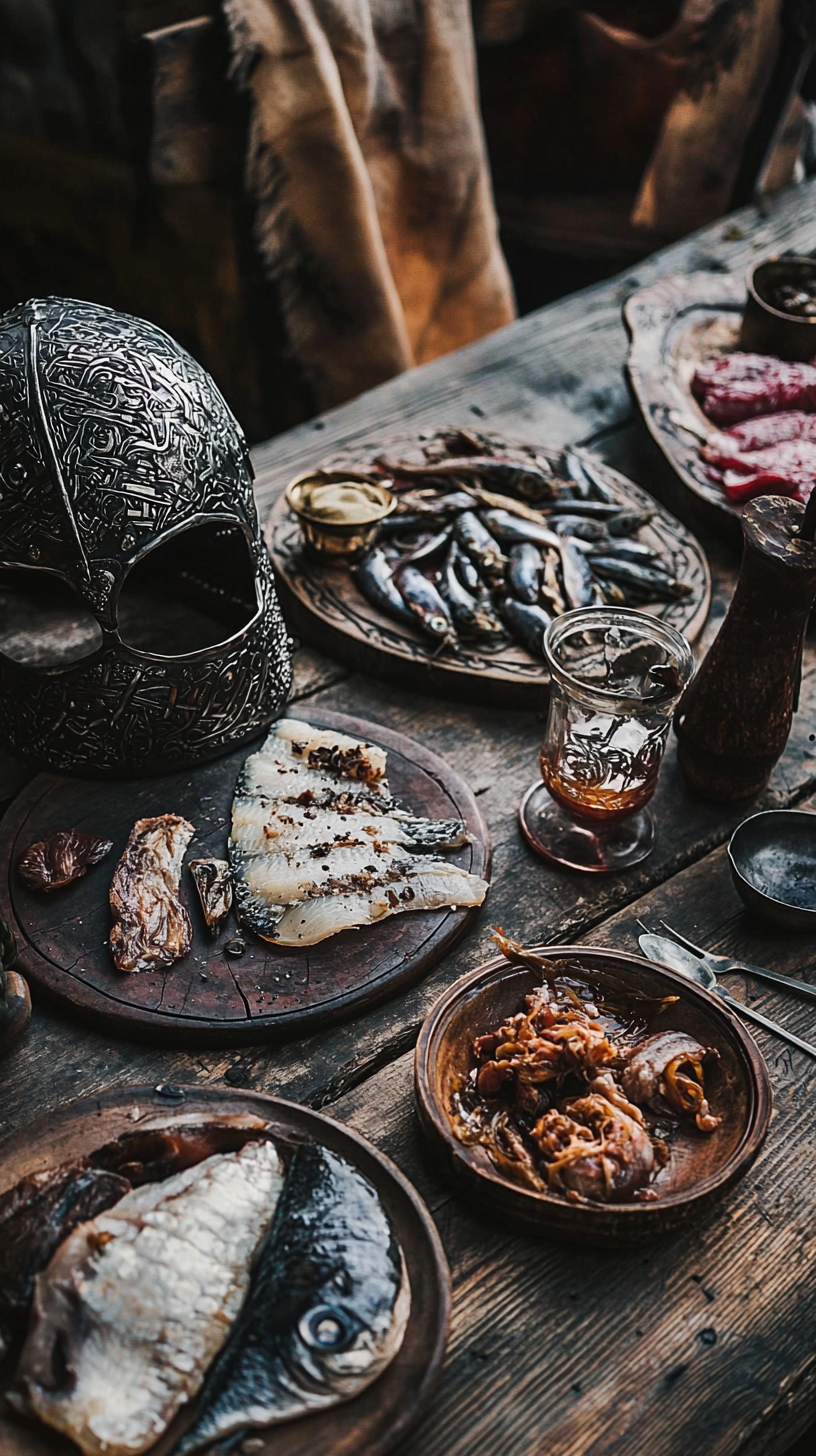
(596, 792)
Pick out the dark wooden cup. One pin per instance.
(769, 330)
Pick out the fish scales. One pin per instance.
(135, 1304)
(325, 1315)
(334, 835)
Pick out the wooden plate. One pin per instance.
(701, 1168)
(674, 326)
(323, 604)
(209, 997)
(373, 1422)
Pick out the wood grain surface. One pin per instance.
(212, 996)
(325, 605)
(572, 1352)
(377, 1419)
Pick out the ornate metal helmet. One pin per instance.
(126, 486)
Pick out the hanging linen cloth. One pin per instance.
(368, 175)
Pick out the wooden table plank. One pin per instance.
(702, 1341)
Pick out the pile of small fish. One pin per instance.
(319, 845)
(202, 1281)
(569, 1096)
(488, 542)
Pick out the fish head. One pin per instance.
(344, 1278)
(352, 1332)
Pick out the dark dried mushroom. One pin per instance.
(214, 885)
(63, 857)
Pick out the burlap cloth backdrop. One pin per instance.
(367, 168)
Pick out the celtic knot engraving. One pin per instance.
(112, 439)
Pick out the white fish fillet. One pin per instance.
(135, 1304)
(311, 921)
(260, 827)
(318, 844)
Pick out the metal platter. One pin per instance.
(324, 606)
(674, 326)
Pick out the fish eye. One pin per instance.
(327, 1328)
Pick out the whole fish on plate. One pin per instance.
(326, 1312)
(318, 844)
(136, 1304)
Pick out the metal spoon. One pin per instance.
(665, 952)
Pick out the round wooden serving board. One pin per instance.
(322, 603)
(674, 326)
(373, 1422)
(701, 1167)
(210, 998)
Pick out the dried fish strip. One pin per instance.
(63, 857)
(214, 884)
(151, 928)
(317, 851)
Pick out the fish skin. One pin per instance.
(528, 624)
(374, 577)
(524, 571)
(427, 606)
(329, 1266)
(136, 1304)
(576, 574)
(36, 1215)
(471, 617)
(508, 528)
(473, 537)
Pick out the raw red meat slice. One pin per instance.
(740, 386)
(787, 468)
(730, 367)
(766, 430)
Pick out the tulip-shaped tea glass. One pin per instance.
(615, 679)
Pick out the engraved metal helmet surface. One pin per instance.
(114, 442)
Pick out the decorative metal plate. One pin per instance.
(323, 604)
(674, 326)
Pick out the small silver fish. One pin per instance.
(482, 548)
(527, 623)
(628, 523)
(524, 571)
(472, 617)
(513, 528)
(648, 581)
(326, 1313)
(576, 574)
(427, 606)
(376, 582)
(465, 570)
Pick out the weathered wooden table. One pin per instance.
(705, 1342)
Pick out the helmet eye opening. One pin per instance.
(190, 593)
(43, 623)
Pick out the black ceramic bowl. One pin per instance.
(773, 865)
(767, 329)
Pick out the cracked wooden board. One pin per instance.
(210, 998)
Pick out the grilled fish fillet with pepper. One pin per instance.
(319, 845)
(136, 1303)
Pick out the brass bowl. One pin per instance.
(338, 541)
(769, 330)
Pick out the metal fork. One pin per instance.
(718, 964)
